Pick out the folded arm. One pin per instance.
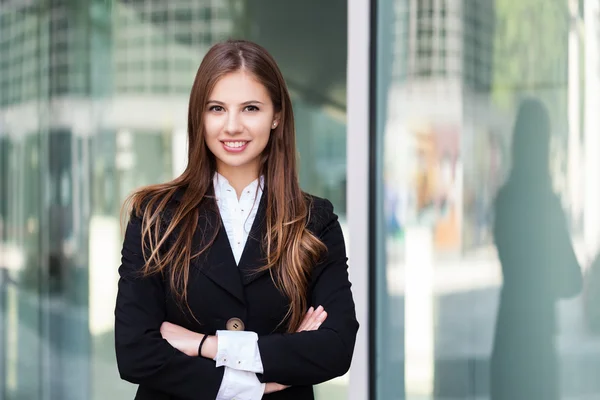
(238, 353)
(312, 357)
(143, 356)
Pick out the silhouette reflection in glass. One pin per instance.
(539, 266)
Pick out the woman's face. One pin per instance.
(238, 119)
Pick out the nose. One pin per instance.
(233, 125)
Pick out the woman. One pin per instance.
(214, 304)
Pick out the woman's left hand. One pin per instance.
(182, 339)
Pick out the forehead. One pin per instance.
(239, 87)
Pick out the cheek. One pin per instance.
(264, 137)
(262, 140)
(211, 128)
(211, 134)
(261, 132)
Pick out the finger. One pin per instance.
(313, 326)
(310, 320)
(322, 319)
(302, 325)
(316, 315)
(306, 320)
(316, 323)
(310, 312)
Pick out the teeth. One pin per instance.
(234, 144)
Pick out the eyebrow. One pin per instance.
(243, 104)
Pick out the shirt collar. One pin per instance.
(221, 184)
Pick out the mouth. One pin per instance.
(235, 146)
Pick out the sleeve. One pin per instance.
(143, 356)
(308, 358)
(240, 385)
(238, 350)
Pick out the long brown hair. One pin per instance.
(291, 249)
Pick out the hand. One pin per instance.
(182, 339)
(311, 322)
(313, 319)
(274, 387)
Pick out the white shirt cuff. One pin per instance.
(239, 350)
(240, 385)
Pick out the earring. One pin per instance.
(274, 125)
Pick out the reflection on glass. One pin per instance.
(539, 266)
(488, 228)
(93, 103)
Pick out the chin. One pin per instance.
(235, 163)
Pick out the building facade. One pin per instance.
(423, 121)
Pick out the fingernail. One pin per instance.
(320, 308)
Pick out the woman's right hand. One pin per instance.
(311, 322)
(273, 387)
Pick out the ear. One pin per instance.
(276, 120)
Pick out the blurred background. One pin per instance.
(485, 177)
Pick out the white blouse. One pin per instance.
(238, 351)
(237, 215)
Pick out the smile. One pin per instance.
(235, 146)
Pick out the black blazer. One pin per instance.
(218, 290)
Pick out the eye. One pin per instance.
(216, 108)
(251, 108)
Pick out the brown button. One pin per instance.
(235, 324)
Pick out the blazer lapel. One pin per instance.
(218, 262)
(253, 256)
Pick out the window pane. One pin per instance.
(111, 81)
(488, 199)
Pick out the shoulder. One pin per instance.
(149, 202)
(321, 214)
(318, 204)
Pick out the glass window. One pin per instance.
(487, 266)
(115, 119)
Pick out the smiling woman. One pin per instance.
(239, 118)
(234, 282)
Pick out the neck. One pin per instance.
(238, 177)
